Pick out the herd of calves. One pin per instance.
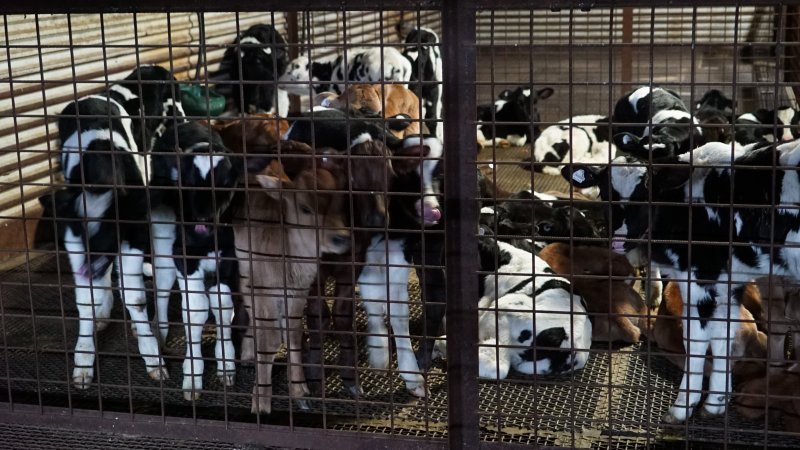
(240, 212)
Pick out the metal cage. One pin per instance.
(578, 57)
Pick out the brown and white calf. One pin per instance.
(387, 101)
(281, 231)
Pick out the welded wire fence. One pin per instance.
(401, 224)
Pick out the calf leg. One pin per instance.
(317, 318)
(195, 313)
(722, 333)
(221, 304)
(344, 323)
(90, 296)
(372, 284)
(163, 233)
(129, 266)
(248, 348)
(399, 317)
(695, 341)
(294, 342)
(433, 295)
(267, 334)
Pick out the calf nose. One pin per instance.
(341, 240)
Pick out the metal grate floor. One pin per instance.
(615, 402)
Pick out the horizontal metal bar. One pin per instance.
(207, 430)
(103, 6)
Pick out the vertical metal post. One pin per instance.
(627, 50)
(461, 251)
(292, 26)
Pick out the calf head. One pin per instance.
(204, 172)
(423, 176)
(623, 181)
(296, 77)
(264, 49)
(787, 120)
(255, 134)
(312, 207)
(521, 103)
(365, 98)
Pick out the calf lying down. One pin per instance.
(528, 319)
(618, 311)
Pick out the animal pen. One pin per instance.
(590, 54)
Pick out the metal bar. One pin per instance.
(208, 430)
(95, 6)
(461, 253)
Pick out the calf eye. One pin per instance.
(305, 209)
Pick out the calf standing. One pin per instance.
(714, 274)
(261, 51)
(102, 212)
(422, 49)
(192, 233)
(281, 232)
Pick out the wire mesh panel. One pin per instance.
(428, 224)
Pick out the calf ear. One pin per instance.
(505, 94)
(272, 184)
(580, 175)
(542, 94)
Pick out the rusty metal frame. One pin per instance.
(459, 59)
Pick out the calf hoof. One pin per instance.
(191, 395)
(676, 415)
(261, 405)
(227, 378)
(159, 373)
(714, 409)
(419, 391)
(82, 378)
(303, 404)
(192, 388)
(354, 391)
(315, 387)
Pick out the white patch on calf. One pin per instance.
(714, 153)
(784, 118)
(252, 40)
(126, 93)
(749, 117)
(205, 162)
(93, 206)
(70, 151)
(790, 186)
(360, 139)
(625, 179)
(639, 94)
(526, 92)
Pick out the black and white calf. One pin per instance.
(328, 127)
(763, 125)
(384, 280)
(529, 319)
(715, 270)
(580, 139)
(102, 211)
(422, 49)
(654, 121)
(261, 51)
(193, 239)
(370, 65)
(714, 113)
(513, 117)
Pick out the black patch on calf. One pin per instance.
(553, 284)
(547, 345)
(524, 336)
(705, 309)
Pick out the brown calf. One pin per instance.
(618, 312)
(388, 100)
(281, 232)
